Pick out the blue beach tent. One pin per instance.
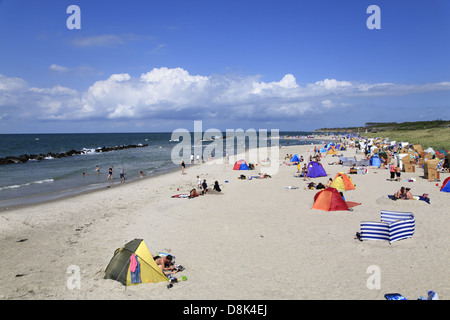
(375, 161)
(295, 158)
(315, 169)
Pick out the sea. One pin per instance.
(52, 178)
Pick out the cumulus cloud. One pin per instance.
(175, 94)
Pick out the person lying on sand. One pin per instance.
(165, 264)
(193, 193)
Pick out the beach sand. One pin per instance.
(255, 240)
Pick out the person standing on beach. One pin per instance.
(122, 175)
(97, 169)
(392, 170)
(110, 173)
(183, 166)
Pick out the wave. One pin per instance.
(15, 186)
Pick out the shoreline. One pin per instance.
(25, 201)
(258, 219)
(86, 190)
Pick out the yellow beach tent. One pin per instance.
(332, 150)
(342, 182)
(133, 264)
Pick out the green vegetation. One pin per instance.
(434, 134)
(436, 138)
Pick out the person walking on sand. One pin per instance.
(183, 166)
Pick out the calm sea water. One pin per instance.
(36, 181)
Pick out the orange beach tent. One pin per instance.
(329, 199)
(342, 182)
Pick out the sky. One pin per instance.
(156, 66)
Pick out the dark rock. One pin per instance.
(24, 157)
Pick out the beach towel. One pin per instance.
(426, 199)
(184, 195)
(135, 269)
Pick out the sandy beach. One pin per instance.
(254, 240)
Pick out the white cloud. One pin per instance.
(58, 69)
(79, 70)
(165, 93)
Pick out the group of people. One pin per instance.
(403, 193)
(203, 185)
(110, 173)
(395, 172)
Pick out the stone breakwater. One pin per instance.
(50, 155)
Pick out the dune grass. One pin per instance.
(436, 138)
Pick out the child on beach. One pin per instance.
(398, 173)
(216, 186)
(205, 186)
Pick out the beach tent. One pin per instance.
(446, 185)
(240, 165)
(332, 150)
(322, 150)
(133, 264)
(375, 161)
(315, 169)
(394, 226)
(342, 182)
(329, 199)
(295, 158)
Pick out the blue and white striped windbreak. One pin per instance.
(394, 226)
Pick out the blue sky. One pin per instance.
(159, 65)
